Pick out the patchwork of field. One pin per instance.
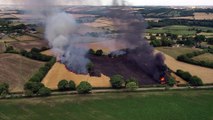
(178, 29)
(180, 105)
(176, 51)
(206, 74)
(16, 70)
(59, 72)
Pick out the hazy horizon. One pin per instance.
(128, 2)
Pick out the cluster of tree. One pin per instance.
(4, 89)
(192, 80)
(83, 88)
(36, 88)
(36, 55)
(188, 59)
(10, 49)
(11, 29)
(163, 42)
(166, 22)
(97, 52)
(64, 85)
(38, 77)
(118, 81)
(33, 54)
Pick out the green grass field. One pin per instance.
(170, 105)
(176, 51)
(178, 29)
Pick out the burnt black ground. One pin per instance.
(120, 65)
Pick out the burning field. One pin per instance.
(64, 36)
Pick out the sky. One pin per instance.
(130, 2)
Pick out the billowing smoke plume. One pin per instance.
(132, 27)
(61, 29)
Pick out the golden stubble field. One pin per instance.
(59, 72)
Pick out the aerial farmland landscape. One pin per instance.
(106, 60)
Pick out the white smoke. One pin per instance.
(60, 32)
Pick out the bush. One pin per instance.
(4, 88)
(171, 81)
(132, 86)
(132, 80)
(84, 87)
(156, 43)
(99, 53)
(44, 91)
(195, 81)
(117, 81)
(91, 51)
(63, 85)
(28, 93)
(90, 67)
(72, 85)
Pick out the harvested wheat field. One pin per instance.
(59, 72)
(16, 70)
(206, 74)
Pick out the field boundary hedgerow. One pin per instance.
(96, 91)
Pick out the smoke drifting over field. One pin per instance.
(61, 33)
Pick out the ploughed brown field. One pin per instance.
(27, 45)
(16, 70)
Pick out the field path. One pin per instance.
(206, 74)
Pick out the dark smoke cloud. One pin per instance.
(132, 26)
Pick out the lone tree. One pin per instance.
(171, 81)
(132, 86)
(63, 85)
(84, 87)
(99, 53)
(117, 81)
(4, 88)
